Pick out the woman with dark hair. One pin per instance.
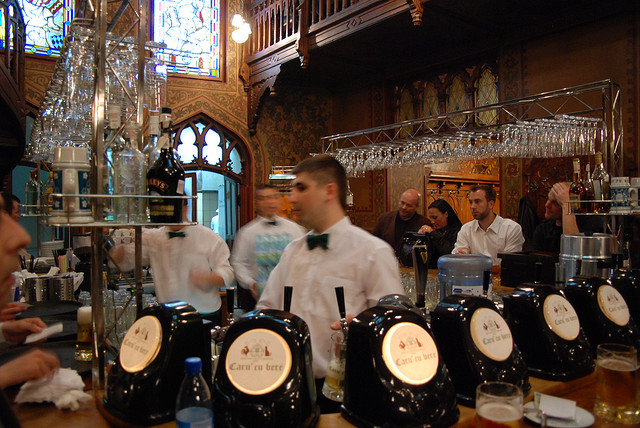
(443, 232)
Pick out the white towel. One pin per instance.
(64, 389)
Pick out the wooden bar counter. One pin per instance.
(581, 390)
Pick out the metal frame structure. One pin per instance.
(598, 100)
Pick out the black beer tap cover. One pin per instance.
(394, 375)
(477, 345)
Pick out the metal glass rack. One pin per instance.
(488, 131)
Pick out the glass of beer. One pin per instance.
(84, 344)
(500, 405)
(617, 384)
(333, 387)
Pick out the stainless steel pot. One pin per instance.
(36, 289)
(582, 254)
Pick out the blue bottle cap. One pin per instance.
(193, 365)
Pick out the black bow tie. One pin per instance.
(314, 241)
(272, 223)
(176, 235)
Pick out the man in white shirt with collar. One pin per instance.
(488, 233)
(260, 243)
(334, 253)
(189, 263)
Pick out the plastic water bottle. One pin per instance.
(193, 406)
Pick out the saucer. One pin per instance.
(583, 418)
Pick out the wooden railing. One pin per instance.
(285, 30)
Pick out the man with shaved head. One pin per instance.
(392, 225)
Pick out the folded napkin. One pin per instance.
(64, 389)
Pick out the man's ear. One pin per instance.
(331, 191)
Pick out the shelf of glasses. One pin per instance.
(105, 222)
(606, 206)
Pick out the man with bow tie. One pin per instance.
(259, 245)
(188, 263)
(333, 254)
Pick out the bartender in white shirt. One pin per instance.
(335, 253)
(188, 262)
(487, 233)
(260, 243)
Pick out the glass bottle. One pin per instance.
(166, 178)
(47, 190)
(32, 193)
(113, 144)
(601, 184)
(577, 190)
(151, 149)
(130, 171)
(588, 188)
(194, 408)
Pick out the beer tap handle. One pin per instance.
(230, 303)
(342, 309)
(288, 291)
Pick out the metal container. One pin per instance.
(589, 255)
(61, 288)
(36, 289)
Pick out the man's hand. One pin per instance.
(10, 311)
(205, 279)
(560, 193)
(461, 252)
(33, 365)
(18, 330)
(336, 325)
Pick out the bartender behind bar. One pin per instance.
(334, 253)
(188, 262)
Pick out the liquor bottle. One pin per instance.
(151, 149)
(588, 188)
(113, 144)
(577, 190)
(32, 193)
(130, 171)
(193, 405)
(166, 178)
(601, 185)
(47, 190)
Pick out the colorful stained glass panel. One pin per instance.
(191, 31)
(486, 94)
(46, 24)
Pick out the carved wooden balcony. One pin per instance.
(287, 30)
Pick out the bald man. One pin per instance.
(392, 225)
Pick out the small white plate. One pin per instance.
(583, 418)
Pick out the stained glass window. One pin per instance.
(486, 94)
(430, 103)
(406, 112)
(191, 31)
(46, 24)
(457, 100)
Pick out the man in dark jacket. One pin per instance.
(392, 225)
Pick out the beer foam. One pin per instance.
(84, 315)
(617, 365)
(499, 412)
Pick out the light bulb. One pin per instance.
(237, 21)
(239, 35)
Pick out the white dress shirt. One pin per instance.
(173, 259)
(502, 236)
(258, 247)
(361, 263)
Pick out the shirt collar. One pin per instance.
(335, 231)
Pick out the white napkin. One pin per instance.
(64, 389)
(555, 407)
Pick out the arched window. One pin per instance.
(217, 160)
